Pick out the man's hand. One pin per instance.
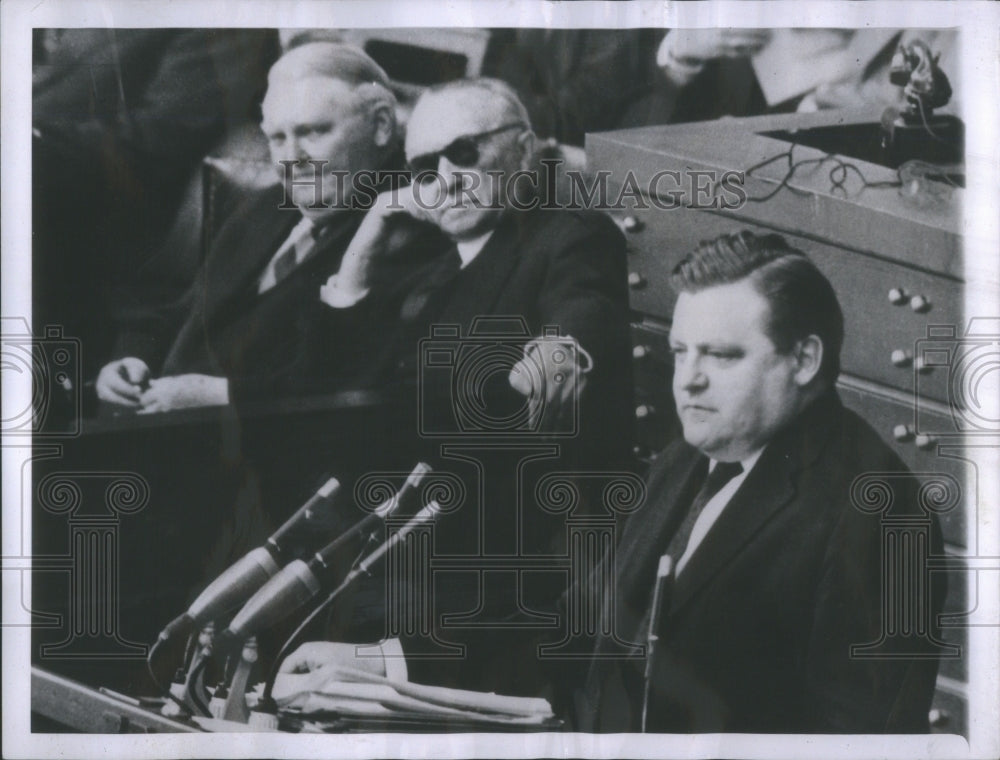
(376, 235)
(123, 381)
(552, 375)
(314, 655)
(689, 45)
(184, 392)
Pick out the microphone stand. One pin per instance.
(236, 704)
(265, 715)
(661, 597)
(195, 694)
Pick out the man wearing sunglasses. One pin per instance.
(470, 150)
(561, 269)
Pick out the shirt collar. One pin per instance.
(469, 249)
(748, 462)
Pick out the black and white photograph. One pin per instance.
(502, 379)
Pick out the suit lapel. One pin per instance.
(236, 273)
(333, 241)
(645, 535)
(768, 488)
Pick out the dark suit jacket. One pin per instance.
(222, 326)
(756, 637)
(549, 268)
(560, 269)
(123, 118)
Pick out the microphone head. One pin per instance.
(328, 489)
(418, 474)
(430, 512)
(315, 519)
(410, 485)
(665, 567)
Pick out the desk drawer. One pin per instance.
(652, 372)
(886, 413)
(878, 331)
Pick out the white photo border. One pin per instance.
(979, 23)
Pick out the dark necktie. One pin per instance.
(297, 253)
(717, 478)
(606, 703)
(437, 279)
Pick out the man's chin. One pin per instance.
(700, 440)
(465, 228)
(310, 208)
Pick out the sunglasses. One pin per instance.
(463, 152)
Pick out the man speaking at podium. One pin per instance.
(777, 574)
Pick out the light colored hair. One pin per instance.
(345, 63)
(496, 89)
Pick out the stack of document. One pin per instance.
(355, 694)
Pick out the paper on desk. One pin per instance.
(358, 693)
(797, 61)
(464, 699)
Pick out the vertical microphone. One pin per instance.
(425, 515)
(661, 598)
(267, 706)
(299, 581)
(322, 564)
(241, 579)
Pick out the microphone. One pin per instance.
(661, 597)
(299, 581)
(425, 515)
(266, 710)
(241, 579)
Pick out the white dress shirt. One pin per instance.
(301, 232)
(332, 295)
(714, 508)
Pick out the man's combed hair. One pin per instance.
(335, 60)
(802, 300)
(496, 89)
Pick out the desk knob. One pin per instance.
(641, 351)
(925, 441)
(631, 224)
(938, 718)
(636, 281)
(897, 296)
(903, 433)
(901, 357)
(920, 365)
(644, 412)
(920, 304)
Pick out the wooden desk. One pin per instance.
(80, 708)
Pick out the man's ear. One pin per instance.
(526, 146)
(808, 354)
(384, 125)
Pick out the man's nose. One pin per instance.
(449, 174)
(689, 375)
(292, 150)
